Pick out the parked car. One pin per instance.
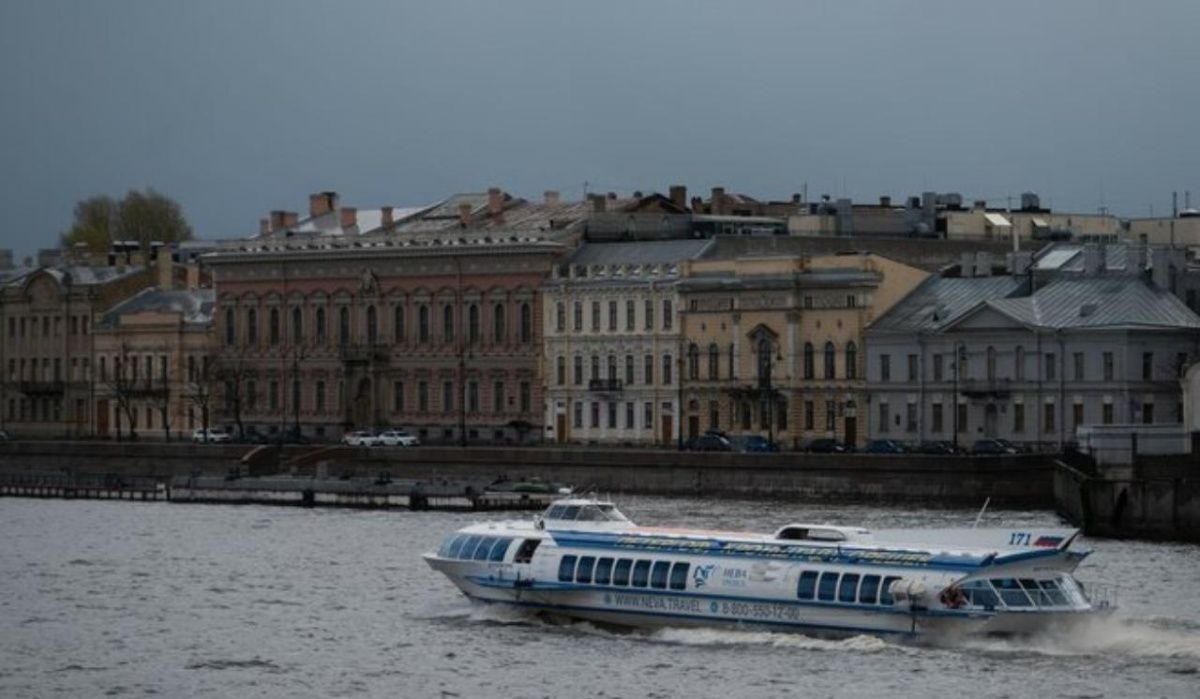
(940, 447)
(4, 436)
(827, 446)
(885, 446)
(252, 436)
(397, 438)
(213, 435)
(754, 444)
(994, 447)
(709, 442)
(360, 438)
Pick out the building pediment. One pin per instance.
(986, 317)
(762, 332)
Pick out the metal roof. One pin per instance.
(997, 219)
(652, 252)
(939, 301)
(1105, 301)
(194, 305)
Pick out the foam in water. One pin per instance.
(1107, 636)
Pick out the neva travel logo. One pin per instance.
(701, 575)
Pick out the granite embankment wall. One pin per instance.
(1017, 481)
(1153, 503)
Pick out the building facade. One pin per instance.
(967, 358)
(612, 342)
(436, 335)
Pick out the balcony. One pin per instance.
(145, 387)
(606, 385)
(985, 388)
(365, 354)
(42, 388)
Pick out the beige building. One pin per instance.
(1182, 230)
(773, 346)
(153, 361)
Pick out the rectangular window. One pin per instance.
(679, 576)
(714, 415)
(827, 587)
(936, 419)
(807, 587)
(526, 398)
(1076, 416)
(447, 396)
(885, 367)
(621, 572)
(583, 574)
(595, 423)
(912, 367)
(1147, 366)
(809, 417)
(668, 315)
(910, 417)
(603, 571)
(885, 591)
(658, 576)
(1051, 367)
(648, 415)
(629, 420)
(629, 370)
(595, 316)
(630, 315)
(848, 588)
(578, 370)
(1018, 417)
(869, 592)
(963, 426)
(320, 397)
(1108, 366)
(1106, 414)
(648, 366)
(1077, 364)
(566, 569)
(641, 574)
(273, 396)
(1048, 417)
(649, 313)
(612, 414)
(612, 316)
(1147, 413)
(883, 418)
(423, 396)
(830, 415)
(497, 396)
(578, 316)
(577, 420)
(937, 367)
(666, 370)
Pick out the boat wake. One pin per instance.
(1112, 636)
(772, 639)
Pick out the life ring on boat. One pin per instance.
(952, 597)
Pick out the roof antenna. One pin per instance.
(981, 511)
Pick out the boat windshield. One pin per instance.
(1022, 592)
(586, 512)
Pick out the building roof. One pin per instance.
(79, 275)
(939, 301)
(1106, 301)
(651, 252)
(195, 306)
(1069, 257)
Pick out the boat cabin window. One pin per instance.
(679, 574)
(603, 571)
(641, 573)
(500, 550)
(980, 594)
(566, 569)
(658, 577)
(807, 587)
(592, 512)
(468, 548)
(885, 591)
(848, 589)
(621, 572)
(584, 573)
(827, 588)
(792, 533)
(525, 553)
(1054, 593)
(869, 592)
(452, 546)
(1011, 593)
(484, 548)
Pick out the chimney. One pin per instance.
(290, 219)
(797, 199)
(679, 195)
(348, 217)
(495, 204)
(464, 214)
(193, 276)
(981, 204)
(967, 265)
(385, 214)
(598, 203)
(697, 205)
(1093, 259)
(718, 201)
(983, 264)
(885, 202)
(162, 260)
(264, 226)
(550, 196)
(322, 203)
(277, 220)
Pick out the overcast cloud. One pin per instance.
(238, 107)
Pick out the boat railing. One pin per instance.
(1101, 595)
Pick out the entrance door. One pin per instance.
(102, 418)
(668, 431)
(989, 420)
(850, 428)
(560, 427)
(362, 404)
(693, 426)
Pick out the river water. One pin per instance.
(134, 599)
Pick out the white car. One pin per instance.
(211, 436)
(360, 438)
(398, 438)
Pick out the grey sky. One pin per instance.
(238, 107)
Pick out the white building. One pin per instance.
(612, 343)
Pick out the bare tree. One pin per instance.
(233, 374)
(201, 384)
(122, 384)
(159, 392)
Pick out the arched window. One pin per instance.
(830, 361)
(809, 370)
(321, 325)
(473, 324)
(764, 361)
(343, 325)
(526, 323)
(693, 362)
(714, 362)
(230, 327)
(273, 326)
(398, 323)
(498, 328)
(448, 323)
(252, 327)
(851, 360)
(297, 326)
(423, 323)
(372, 326)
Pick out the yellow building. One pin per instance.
(773, 345)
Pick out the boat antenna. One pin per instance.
(981, 511)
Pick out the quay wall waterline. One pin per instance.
(1012, 481)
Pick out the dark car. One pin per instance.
(253, 436)
(709, 442)
(993, 447)
(939, 448)
(756, 444)
(884, 446)
(826, 446)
